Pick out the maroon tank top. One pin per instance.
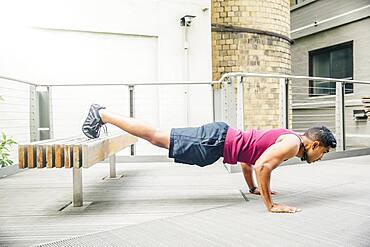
(248, 146)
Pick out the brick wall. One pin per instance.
(251, 52)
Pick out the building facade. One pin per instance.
(253, 36)
(331, 39)
(80, 41)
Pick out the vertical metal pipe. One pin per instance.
(77, 177)
(213, 104)
(51, 117)
(77, 187)
(339, 116)
(34, 114)
(283, 103)
(223, 102)
(186, 53)
(240, 104)
(343, 115)
(131, 89)
(287, 103)
(217, 94)
(112, 164)
(231, 111)
(186, 75)
(187, 105)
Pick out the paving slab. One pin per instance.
(168, 204)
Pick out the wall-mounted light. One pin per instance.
(186, 20)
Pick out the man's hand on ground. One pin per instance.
(280, 208)
(257, 192)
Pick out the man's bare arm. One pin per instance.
(248, 174)
(263, 175)
(269, 160)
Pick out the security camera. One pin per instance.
(185, 21)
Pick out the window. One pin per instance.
(334, 62)
(295, 2)
(299, 1)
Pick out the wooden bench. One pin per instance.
(75, 153)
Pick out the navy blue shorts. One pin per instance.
(200, 146)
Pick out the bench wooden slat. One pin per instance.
(77, 159)
(41, 156)
(49, 156)
(68, 150)
(31, 156)
(68, 156)
(98, 150)
(59, 156)
(22, 157)
(59, 150)
(51, 153)
(60, 153)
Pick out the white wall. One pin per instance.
(14, 113)
(78, 41)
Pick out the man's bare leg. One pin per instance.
(137, 128)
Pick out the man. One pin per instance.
(204, 145)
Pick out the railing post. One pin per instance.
(187, 105)
(217, 101)
(283, 103)
(131, 89)
(240, 104)
(230, 111)
(34, 114)
(43, 113)
(213, 103)
(223, 104)
(339, 115)
(51, 117)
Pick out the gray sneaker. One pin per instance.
(93, 123)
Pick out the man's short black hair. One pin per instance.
(323, 135)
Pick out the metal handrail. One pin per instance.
(128, 84)
(18, 80)
(227, 79)
(223, 77)
(282, 76)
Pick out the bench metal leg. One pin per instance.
(77, 187)
(112, 163)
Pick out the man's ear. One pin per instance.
(315, 144)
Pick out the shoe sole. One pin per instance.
(83, 131)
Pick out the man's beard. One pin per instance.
(304, 157)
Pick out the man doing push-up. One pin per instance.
(204, 145)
